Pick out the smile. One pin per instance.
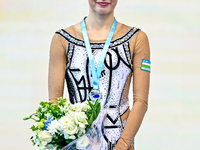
(103, 3)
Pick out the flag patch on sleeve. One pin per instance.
(146, 65)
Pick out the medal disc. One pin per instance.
(94, 95)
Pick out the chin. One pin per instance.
(104, 12)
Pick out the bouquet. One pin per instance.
(91, 139)
(58, 125)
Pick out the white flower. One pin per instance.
(44, 143)
(66, 136)
(63, 109)
(80, 118)
(35, 133)
(78, 107)
(45, 136)
(82, 143)
(81, 132)
(37, 142)
(53, 127)
(36, 139)
(72, 137)
(85, 106)
(42, 147)
(67, 124)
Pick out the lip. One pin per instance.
(103, 3)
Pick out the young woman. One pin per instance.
(126, 55)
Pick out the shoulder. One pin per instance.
(67, 29)
(123, 28)
(60, 37)
(141, 35)
(140, 32)
(136, 32)
(70, 33)
(73, 28)
(62, 33)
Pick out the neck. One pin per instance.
(98, 22)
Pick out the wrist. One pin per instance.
(121, 145)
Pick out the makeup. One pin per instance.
(103, 3)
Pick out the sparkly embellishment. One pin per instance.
(116, 42)
(128, 54)
(69, 54)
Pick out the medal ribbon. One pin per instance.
(96, 73)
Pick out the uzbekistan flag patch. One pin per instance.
(146, 65)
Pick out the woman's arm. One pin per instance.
(140, 90)
(57, 67)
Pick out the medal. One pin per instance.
(96, 73)
(94, 95)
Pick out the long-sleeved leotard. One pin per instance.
(128, 49)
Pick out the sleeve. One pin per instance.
(141, 77)
(57, 67)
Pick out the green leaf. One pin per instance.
(33, 128)
(96, 103)
(31, 117)
(26, 118)
(54, 113)
(90, 120)
(61, 101)
(87, 114)
(39, 110)
(91, 105)
(98, 108)
(42, 103)
(94, 115)
(68, 141)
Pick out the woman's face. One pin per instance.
(102, 7)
